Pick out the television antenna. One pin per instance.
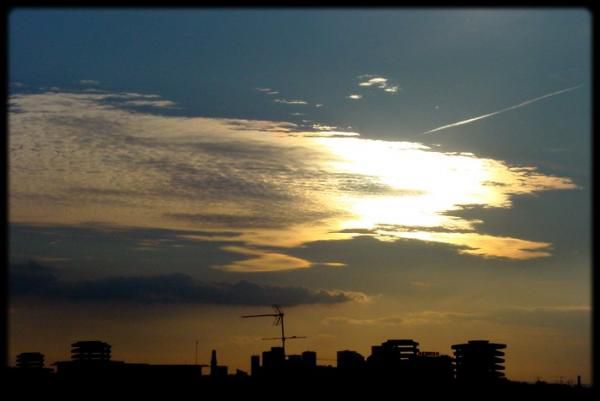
(278, 315)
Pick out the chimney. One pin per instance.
(213, 360)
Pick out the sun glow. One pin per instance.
(423, 188)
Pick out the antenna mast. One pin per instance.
(277, 322)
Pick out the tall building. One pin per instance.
(479, 361)
(350, 360)
(90, 364)
(309, 359)
(30, 360)
(431, 367)
(215, 369)
(273, 360)
(294, 362)
(90, 351)
(213, 360)
(255, 365)
(393, 354)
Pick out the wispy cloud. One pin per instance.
(151, 103)
(516, 106)
(386, 321)
(330, 264)
(322, 127)
(263, 261)
(268, 91)
(51, 259)
(369, 80)
(557, 317)
(380, 82)
(285, 101)
(407, 319)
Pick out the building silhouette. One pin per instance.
(30, 360)
(29, 373)
(479, 361)
(90, 351)
(91, 366)
(309, 359)
(215, 369)
(394, 365)
(350, 360)
(393, 354)
(255, 365)
(433, 367)
(401, 360)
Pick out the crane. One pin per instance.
(278, 315)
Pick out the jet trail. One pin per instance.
(516, 106)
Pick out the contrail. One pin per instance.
(516, 106)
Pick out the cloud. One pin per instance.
(331, 264)
(267, 91)
(322, 127)
(262, 261)
(230, 220)
(375, 81)
(380, 82)
(36, 280)
(570, 317)
(275, 183)
(380, 322)
(285, 101)
(483, 245)
(89, 82)
(51, 259)
(407, 319)
(151, 103)
(354, 97)
(31, 278)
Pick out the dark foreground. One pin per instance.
(326, 384)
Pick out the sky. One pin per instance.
(380, 173)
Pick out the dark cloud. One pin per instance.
(101, 191)
(117, 250)
(32, 279)
(279, 217)
(229, 220)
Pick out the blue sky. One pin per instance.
(284, 148)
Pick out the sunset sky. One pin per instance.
(380, 173)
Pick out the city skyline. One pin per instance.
(393, 173)
(477, 367)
